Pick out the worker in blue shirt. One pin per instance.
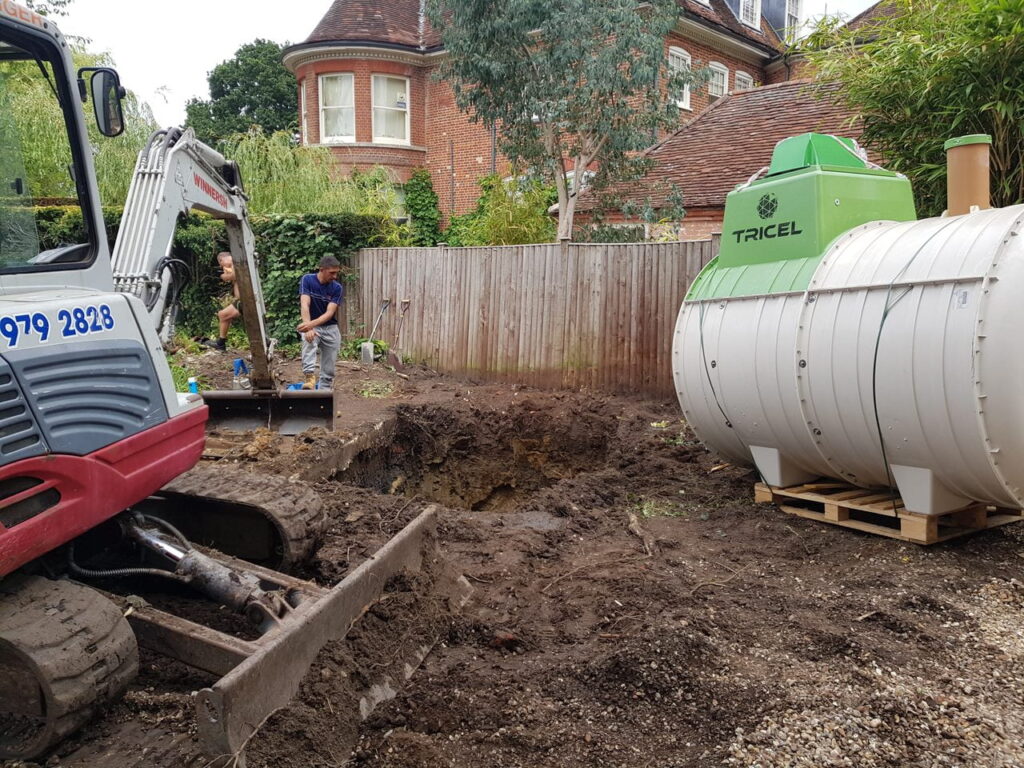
(320, 295)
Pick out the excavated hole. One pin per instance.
(488, 461)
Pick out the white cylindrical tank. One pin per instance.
(902, 362)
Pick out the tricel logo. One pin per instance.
(767, 207)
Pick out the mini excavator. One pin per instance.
(98, 452)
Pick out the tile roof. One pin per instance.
(717, 14)
(394, 22)
(731, 140)
(879, 12)
(401, 22)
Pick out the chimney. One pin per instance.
(967, 174)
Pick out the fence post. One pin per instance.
(716, 243)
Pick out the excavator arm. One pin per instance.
(176, 174)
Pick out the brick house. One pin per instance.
(722, 147)
(367, 88)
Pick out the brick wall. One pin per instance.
(792, 68)
(698, 224)
(701, 223)
(701, 55)
(365, 154)
(452, 135)
(438, 130)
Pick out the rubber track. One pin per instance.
(80, 647)
(294, 509)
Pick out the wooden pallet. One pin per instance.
(880, 512)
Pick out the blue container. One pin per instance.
(193, 385)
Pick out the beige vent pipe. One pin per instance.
(967, 173)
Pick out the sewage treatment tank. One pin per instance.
(837, 336)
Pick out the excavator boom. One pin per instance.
(176, 174)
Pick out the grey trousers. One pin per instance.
(327, 343)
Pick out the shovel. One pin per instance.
(394, 359)
(366, 349)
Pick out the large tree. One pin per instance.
(49, 7)
(927, 71)
(253, 88)
(571, 84)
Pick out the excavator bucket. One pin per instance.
(258, 677)
(288, 412)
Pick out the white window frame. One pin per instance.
(675, 50)
(794, 13)
(724, 72)
(753, 19)
(736, 80)
(408, 111)
(324, 138)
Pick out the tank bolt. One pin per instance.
(714, 364)
(837, 201)
(817, 433)
(803, 363)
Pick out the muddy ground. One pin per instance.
(632, 607)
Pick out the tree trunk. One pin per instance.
(563, 202)
(566, 212)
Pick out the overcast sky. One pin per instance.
(164, 51)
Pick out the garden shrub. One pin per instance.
(288, 247)
(509, 212)
(421, 205)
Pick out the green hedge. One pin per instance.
(288, 247)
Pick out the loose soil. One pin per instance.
(631, 607)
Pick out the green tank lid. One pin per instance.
(777, 228)
(809, 149)
(961, 141)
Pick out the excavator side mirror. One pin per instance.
(106, 90)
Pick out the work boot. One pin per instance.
(310, 382)
(221, 345)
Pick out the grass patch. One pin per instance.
(183, 347)
(186, 344)
(180, 374)
(376, 389)
(648, 508)
(679, 440)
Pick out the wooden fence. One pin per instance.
(556, 315)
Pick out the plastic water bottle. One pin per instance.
(193, 385)
(241, 377)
